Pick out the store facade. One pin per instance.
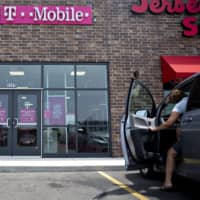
(51, 112)
(65, 68)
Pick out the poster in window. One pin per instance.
(28, 115)
(57, 110)
(3, 115)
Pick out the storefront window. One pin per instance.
(91, 76)
(75, 109)
(20, 76)
(93, 135)
(59, 107)
(59, 140)
(59, 76)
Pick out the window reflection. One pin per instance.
(3, 136)
(93, 139)
(27, 136)
(59, 140)
(58, 76)
(92, 107)
(91, 76)
(93, 121)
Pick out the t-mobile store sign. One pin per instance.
(69, 15)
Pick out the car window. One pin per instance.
(166, 111)
(140, 100)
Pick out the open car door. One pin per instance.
(138, 143)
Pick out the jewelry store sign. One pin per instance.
(66, 15)
(190, 23)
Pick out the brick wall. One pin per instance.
(125, 40)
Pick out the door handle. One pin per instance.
(8, 122)
(15, 122)
(187, 119)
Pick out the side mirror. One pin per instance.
(142, 113)
(136, 74)
(81, 130)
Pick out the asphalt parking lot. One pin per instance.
(86, 185)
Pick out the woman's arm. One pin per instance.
(167, 124)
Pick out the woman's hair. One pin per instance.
(176, 95)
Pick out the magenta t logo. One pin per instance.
(9, 12)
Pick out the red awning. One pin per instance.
(179, 67)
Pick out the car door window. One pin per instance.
(167, 108)
(141, 101)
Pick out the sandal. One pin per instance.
(167, 188)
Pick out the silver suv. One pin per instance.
(145, 150)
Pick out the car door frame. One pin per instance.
(134, 161)
(189, 134)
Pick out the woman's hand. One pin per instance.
(154, 129)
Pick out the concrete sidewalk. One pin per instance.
(37, 164)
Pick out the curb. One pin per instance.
(20, 169)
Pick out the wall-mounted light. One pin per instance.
(27, 104)
(78, 73)
(16, 73)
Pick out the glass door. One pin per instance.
(20, 122)
(26, 122)
(5, 122)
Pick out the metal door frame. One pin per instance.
(11, 149)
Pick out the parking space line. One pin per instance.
(123, 186)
